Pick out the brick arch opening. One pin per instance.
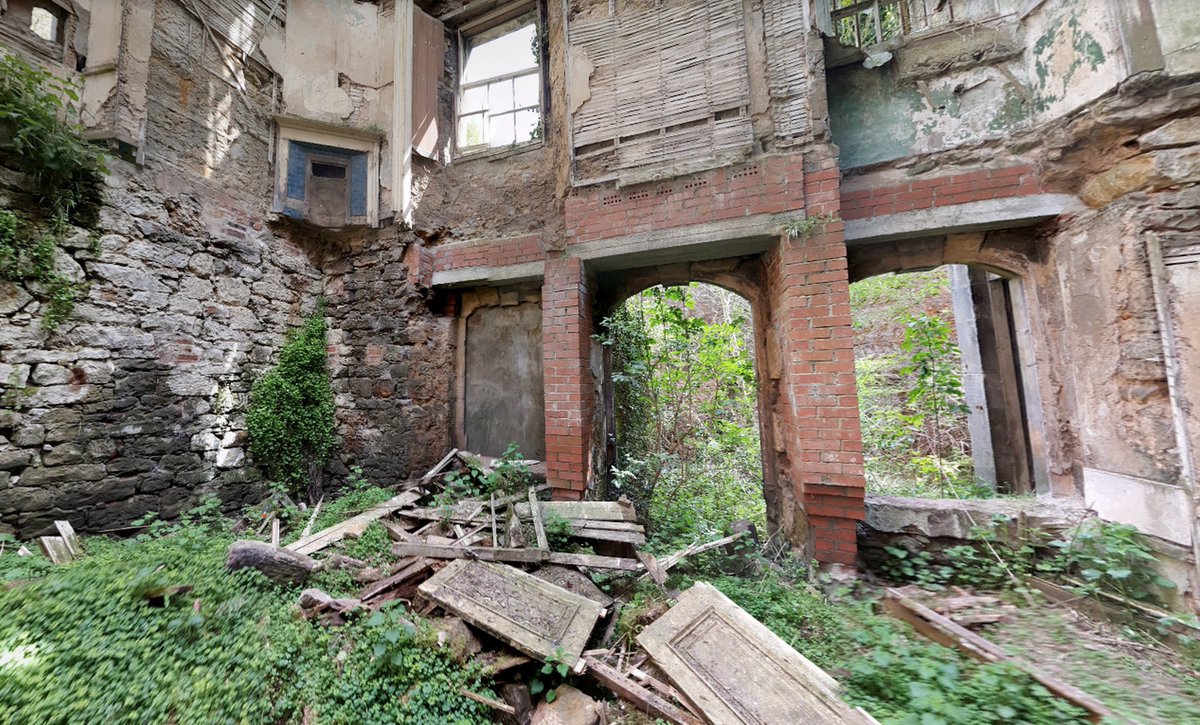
(745, 277)
(992, 303)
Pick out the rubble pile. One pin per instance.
(505, 582)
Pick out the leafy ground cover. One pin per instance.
(85, 642)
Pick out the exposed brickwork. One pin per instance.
(769, 186)
(816, 407)
(488, 253)
(566, 341)
(860, 203)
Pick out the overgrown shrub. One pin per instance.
(291, 417)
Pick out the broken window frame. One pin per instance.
(475, 28)
(849, 15)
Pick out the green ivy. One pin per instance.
(39, 136)
(291, 416)
(87, 644)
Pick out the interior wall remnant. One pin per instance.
(503, 398)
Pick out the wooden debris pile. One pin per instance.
(518, 595)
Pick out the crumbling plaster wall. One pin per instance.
(137, 402)
(337, 62)
(986, 78)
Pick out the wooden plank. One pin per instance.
(494, 704)
(396, 532)
(719, 658)
(276, 531)
(672, 559)
(438, 468)
(1109, 607)
(594, 562)
(313, 518)
(354, 526)
(495, 534)
(67, 532)
(535, 510)
(638, 696)
(435, 551)
(624, 537)
(532, 615)
(413, 569)
(55, 549)
(946, 632)
(583, 510)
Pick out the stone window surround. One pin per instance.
(292, 128)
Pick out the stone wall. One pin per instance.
(137, 402)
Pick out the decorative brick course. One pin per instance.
(488, 253)
(941, 191)
(771, 185)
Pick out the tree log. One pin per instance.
(281, 566)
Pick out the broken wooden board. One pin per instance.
(735, 670)
(533, 616)
(592, 561)
(638, 696)
(353, 527)
(947, 633)
(67, 532)
(409, 571)
(485, 553)
(55, 548)
(583, 510)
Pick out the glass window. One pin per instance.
(499, 100)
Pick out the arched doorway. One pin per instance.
(678, 355)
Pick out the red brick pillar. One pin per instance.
(566, 351)
(818, 407)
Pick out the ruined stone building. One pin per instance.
(471, 186)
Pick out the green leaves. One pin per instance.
(1111, 557)
(291, 417)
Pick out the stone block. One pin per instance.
(1180, 132)
(46, 476)
(64, 454)
(13, 460)
(49, 374)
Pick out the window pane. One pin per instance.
(470, 130)
(474, 99)
(500, 130)
(866, 26)
(526, 91)
(527, 126)
(505, 49)
(500, 96)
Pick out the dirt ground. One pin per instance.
(1138, 678)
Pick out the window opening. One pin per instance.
(44, 24)
(500, 91)
(328, 171)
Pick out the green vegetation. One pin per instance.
(510, 475)
(911, 403)
(685, 393)
(86, 644)
(290, 420)
(1111, 557)
(39, 136)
